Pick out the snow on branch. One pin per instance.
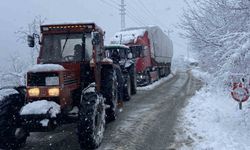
(219, 30)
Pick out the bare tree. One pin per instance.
(219, 30)
(16, 73)
(33, 28)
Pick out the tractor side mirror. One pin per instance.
(95, 38)
(31, 40)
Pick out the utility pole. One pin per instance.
(123, 14)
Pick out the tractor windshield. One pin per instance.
(121, 52)
(66, 47)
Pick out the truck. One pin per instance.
(122, 56)
(152, 48)
(72, 83)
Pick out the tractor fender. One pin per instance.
(20, 89)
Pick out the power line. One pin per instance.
(115, 2)
(135, 19)
(110, 4)
(146, 10)
(131, 9)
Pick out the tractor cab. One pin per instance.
(120, 54)
(68, 42)
(77, 48)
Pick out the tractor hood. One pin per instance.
(44, 75)
(52, 82)
(46, 68)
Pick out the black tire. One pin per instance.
(133, 78)
(148, 78)
(168, 68)
(12, 135)
(91, 123)
(127, 88)
(165, 71)
(110, 92)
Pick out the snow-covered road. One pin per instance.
(147, 121)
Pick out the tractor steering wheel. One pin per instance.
(69, 58)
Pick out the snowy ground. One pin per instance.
(157, 83)
(212, 120)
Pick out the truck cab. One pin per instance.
(151, 47)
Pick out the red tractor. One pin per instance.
(73, 82)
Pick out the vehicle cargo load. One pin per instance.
(161, 46)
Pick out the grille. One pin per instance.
(38, 79)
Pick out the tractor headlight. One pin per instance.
(34, 92)
(53, 92)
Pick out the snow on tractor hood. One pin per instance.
(41, 107)
(46, 68)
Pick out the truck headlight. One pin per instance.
(34, 92)
(53, 92)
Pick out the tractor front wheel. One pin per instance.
(91, 123)
(12, 135)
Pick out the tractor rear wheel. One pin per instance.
(12, 135)
(91, 123)
(127, 88)
(109, 88)
(133, 78)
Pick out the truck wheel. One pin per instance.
(12, 135)
(168, 68)
(148, 78)
(91, 123)
(110, 92)
(133, 79)
(127, 89)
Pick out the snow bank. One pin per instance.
(41, 107)
(46, 67)
(156, 83)
(6, 92)
(212, 120)
(205, 76)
